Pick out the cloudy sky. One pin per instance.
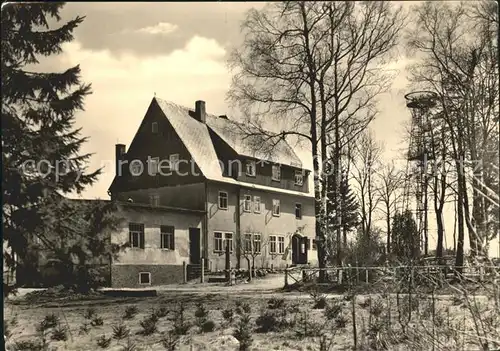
(178, 51)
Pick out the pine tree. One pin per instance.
(405, 239)
(40, 158)
(348, 207)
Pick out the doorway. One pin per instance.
(299, 249)
(194, 245)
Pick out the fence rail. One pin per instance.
(357, 275)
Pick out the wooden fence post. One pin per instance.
(184, 270)
(202, 275)
(286, 276)
(366, 275)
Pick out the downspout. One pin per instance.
(237, 234)
(205, 230)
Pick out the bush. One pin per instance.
(60, 333)
(341, 321)
(170, 341)
(228, 315)
(333, 310)
(243, 332)
(242, 309)
(120, 331)
(320, 303)
(149, 325)
(377, 308)
(275, 303)
(130, 312)
(181, 327)
(161, 312)
(84, 329)
(89, 313)
(267, 322)
(208, 326)
(31, 345)
(103, 341)
(49, 321)
(97, 321)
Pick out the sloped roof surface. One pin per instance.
(253, 146)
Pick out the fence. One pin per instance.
(356, 275)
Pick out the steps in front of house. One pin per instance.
(194, 271)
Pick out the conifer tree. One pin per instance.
(40, 156)
(405, 239)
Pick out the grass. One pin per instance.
(303, 324)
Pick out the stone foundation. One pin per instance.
(127, 276)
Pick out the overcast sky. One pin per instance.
(130, 51)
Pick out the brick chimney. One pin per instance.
(119, 155)
(200, 113)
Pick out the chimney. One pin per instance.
(119, 156)
(200, 112)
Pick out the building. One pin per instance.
(224, 189)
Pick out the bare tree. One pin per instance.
(460, 64)
(390, 183)
(366, 162)
(313, 67)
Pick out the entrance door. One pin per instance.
(299, 249)
(194, 245)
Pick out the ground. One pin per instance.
(23, 315)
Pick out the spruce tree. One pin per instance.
(40, 158)
(405, 237)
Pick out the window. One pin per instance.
(298, 211)
(153, 165)
(221, 241)
(228, 240)
(136, 235)
(154, 200)
(154, 127)
(174, 162)
(136, 167)
(276, 207)
(314, 244)
(145, 278)
(167, 237)
(250, 168)
(281, 244)
(247, 244)
(222, 200)
(256, 243)
(276, 172)
(272, 244)
(299, 178)
(247, 203)
(218, 242)
(256, 204)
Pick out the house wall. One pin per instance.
(188, 196)
(264, 223)
(165, 266)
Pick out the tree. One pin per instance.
(314, 67)
(40, 158)
(349, 206)
(250, 247)
(366, 162)
(391, 181)
(405, 240)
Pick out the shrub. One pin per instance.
(120, 331)
(181, 327)
(377, 307)
(275, 303)
(161, 312)
(84, 329)
(130, 312)
(208, 326)
(170, 341)
(103, 341)
(242, 309)
(320, 303)
(60, 333)
(333, 310)
(365, 303)
(89, 313)
(307, 327)
(131, 346)
(96, 321)
(267, 322)
(243, 332)
(31, 345)
(228, 315)
(201, 315)
(341, 321)
(6, 328)
(49, 321)
(148, 325)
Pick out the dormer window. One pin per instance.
(276, 173)
(299, 178)
(154, 127)
(250, 168)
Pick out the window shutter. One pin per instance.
(142, 237)
(130, 238)
(172, 239)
